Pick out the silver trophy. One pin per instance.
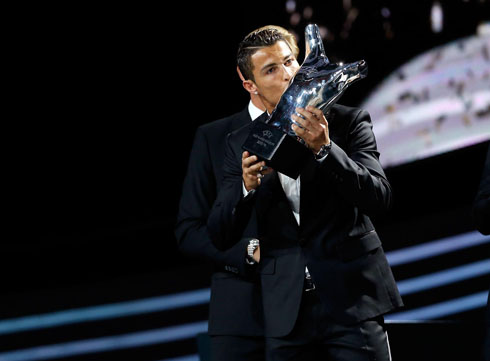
(317, 83)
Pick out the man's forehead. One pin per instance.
(272, 53)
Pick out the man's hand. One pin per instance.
(252, 171)
(315, 127)
(256, 255)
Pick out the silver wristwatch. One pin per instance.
(252, 246)
(324, 150)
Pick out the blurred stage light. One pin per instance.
(347, 4)
(437, 102)
(483, 29)
(295, 19)
(323, 32)
(385, 12)
(290, 6)
(308, 12)
(442, 309)
(436, 17)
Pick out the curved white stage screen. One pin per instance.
(437, 102)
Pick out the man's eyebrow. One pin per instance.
(272, 64)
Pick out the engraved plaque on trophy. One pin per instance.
(317, 83)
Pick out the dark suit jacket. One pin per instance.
(336, 238)
(235, 306)
(481, 205)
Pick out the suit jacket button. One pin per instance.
(302, 241)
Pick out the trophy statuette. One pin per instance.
(318, 83)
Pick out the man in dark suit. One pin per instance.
(325, 279)
(235, 314)
(481, 218)
(481, 205)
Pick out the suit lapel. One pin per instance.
(271, 189)
(242, 133)
(267, 192)
(242, 119)
(271, 192)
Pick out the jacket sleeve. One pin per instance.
(231, 212)
(198, 194)
(356, 170)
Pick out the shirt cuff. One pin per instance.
(322, 158)
(245, 192)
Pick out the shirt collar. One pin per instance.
(254, 111)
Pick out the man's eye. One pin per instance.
(289, 62)
(271, 70)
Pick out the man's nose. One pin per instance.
(288, 72)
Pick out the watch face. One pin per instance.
(252, 246)
(322, 152)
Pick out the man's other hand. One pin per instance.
(253, 171)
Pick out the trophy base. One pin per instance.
(279, 150)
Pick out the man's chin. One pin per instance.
(274, 104)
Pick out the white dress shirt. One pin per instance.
(290, 186)
(254, 111)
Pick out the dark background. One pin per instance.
(110, 100)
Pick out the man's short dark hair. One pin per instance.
(257, 39)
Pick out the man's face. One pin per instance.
(273, 67)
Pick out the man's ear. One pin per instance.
(240, 73)
(250, 87)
